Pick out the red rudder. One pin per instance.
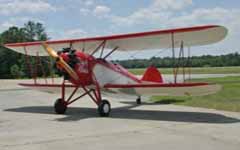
(152, 75)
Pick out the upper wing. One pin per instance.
(193, 36)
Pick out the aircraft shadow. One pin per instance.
(79, 113)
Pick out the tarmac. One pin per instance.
(28, 122)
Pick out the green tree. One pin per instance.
(35, 31)
(30, 32)
(16, 72)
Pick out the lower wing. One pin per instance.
(148, 89)
(166, 89)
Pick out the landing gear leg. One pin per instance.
(138, 100)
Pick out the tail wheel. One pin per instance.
(104, 108)
(139, 101)
(60, 106)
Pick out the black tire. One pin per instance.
(60, 106)
(139, 101)
(104, 108)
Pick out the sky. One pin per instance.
(65, 19)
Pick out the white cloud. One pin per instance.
(10, 7)
(229, 18)
(204, 15)
(172, 13)
(74, 33)
(89, 3)
(178, 13)
(101, 10)
(170, 4)
(91, 8)
(201, 16)
(158, 10)
(85, 11)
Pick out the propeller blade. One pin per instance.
(60, 61)
(69, 69)
(49, 50)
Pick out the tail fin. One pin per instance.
(152, 75)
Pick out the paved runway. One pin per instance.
(27, 121)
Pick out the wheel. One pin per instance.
(60, 106)
(104, 108)
(138, 100)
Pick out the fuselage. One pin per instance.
(91, 70)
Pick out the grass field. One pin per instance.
(202, 70)
(227, 99)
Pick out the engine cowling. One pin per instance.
(80, 63)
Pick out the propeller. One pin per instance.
(60, 61)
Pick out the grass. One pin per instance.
(202, 70)
(227, 99)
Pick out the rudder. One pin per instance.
(152, 75)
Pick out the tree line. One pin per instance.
(232, 59)
(13, 65)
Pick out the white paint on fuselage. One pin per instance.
(105, 75)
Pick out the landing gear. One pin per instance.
(138, 100)
(60, 106)
(104, 108)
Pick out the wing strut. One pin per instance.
(99, 46)
(111, 52)
(181, 61)
(189, 63)
(103, 48)
(173, 57)
(29, 65)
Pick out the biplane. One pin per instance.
(86, 74)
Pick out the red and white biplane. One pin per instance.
(85, 74)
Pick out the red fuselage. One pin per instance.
(84, 66)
